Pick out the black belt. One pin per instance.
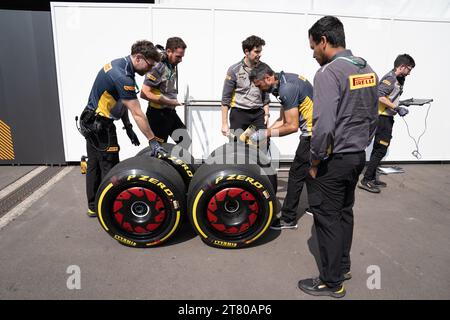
(248, 110)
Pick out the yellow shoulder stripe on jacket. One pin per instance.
(107, 67)
(386, 81)
(151, 77)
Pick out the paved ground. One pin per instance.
(405, 232)
(9, 174)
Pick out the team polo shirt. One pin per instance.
(239, 91)
(162, 80)
(114, 82)
(345, 106)
(297, 92)
(390, 88)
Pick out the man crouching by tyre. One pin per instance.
(112, 95)
(295, 94)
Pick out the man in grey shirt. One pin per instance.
(160, 88)
(249, 106)
(344, 121)
(389, 91)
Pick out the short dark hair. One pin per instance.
(260, 71)
(147, 49)
(175, 43)
(252, 42)
(331, 28)
(404, 59)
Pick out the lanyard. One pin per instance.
(350, 61)
(138, 90)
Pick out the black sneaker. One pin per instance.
(368, 186)
(379, 183)
(91, 213)
(281, 224)
(316, 287)
(347, 276)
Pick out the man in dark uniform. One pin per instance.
(161, 88)
(112, 95)
(248, 105)
(295, 94)
(344, 122)
(389, 92)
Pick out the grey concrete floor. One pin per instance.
(9, 174)
(404, 231)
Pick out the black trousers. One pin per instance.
(383, 136)
(331, 197)
(103, 154)
(242, 118)
(164, 122)
(297, 175)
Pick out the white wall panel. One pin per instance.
(431, 9)
(285, 36)
(195, 27)
(423, 41)
(87, 36)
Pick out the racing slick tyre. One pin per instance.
(141, 201)
(178, 158)
(238, 153)
(230, 206)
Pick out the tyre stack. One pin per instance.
(142, 200)
(230, 200)
(232, 197)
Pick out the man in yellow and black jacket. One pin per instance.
(112, 95)
(389, 91)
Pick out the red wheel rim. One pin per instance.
(139, 211)
(232, 211)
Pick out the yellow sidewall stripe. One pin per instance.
(100, 215)
(171, 231)
(265, 227)
(99, 209)
(194, 214)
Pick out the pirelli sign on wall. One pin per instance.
(6, 142)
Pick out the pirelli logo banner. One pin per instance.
(6, 142)
(359, 81)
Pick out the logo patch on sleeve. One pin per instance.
(359, 81)
(130, 88)
(228, 77)
(387, 82)
(107, 67)
(151, 77)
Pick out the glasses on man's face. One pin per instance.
(409, 68)
(150, 65)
